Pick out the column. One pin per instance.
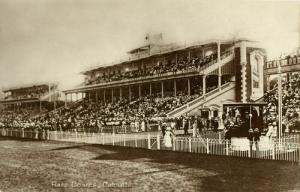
(204, 84)
(268, 82)
(189, 86)
(41, 106)
(189, 56)
(120, 93)
(96, 93)
(219, 66)
(71, 97)
(175, 88)
(288, 76)
(150, 91)
(66, 99)
(219, 50)
(104, 95)
(243, 61)
(140, 91)
(112, 95)
(129, 93)
(162, 89)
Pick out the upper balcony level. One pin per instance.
(288, 64)
(27, 93)
(187, 70)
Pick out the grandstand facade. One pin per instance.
(33, 97)
(209, 74)
(289, 66)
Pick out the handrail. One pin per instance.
(189, 104)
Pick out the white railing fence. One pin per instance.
(288, 150)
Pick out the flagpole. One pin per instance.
(279, 103)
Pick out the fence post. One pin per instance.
(113, 139)
(299, 155)
(124, 140)
(48, 135)
(249, 151)
(219, 137)
(149, 141)
(54, 135)
(23, 134)
(76, 135)
(43, 134)
(174, 143)
(207, 146)
(190, 144)
(273, 151)
(61, 134)
(158, 142)
(36, 134)
(227, 147)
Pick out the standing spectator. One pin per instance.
(185, 127)
(143, 126)
(256, 137)
(195, 130)
(251, 138)
(168, 137)
(163, 129)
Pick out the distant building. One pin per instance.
(33, 97)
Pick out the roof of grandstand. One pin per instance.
(25, 86)
(163, 49)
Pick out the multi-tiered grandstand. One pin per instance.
(190, 79)
(27, 101)
(158, 81)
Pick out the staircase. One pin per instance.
(208, 97)
(206, 70)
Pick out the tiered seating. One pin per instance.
(85, 114)
(182, 65)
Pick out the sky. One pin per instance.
(55, 40)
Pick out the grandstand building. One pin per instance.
(288, 66)
(211, 73)
(30, 97)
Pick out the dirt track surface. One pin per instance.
(27, 165)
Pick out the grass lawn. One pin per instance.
(28, 165)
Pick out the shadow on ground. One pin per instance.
(232, 174)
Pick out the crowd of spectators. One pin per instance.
(290, 103)
(134, 116)
(183, 64)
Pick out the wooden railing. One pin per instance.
(273, 150)
(191, 103)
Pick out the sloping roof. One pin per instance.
(25, 86)
(164, 49)
(142, 48)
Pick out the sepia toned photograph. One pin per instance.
(149, 95)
